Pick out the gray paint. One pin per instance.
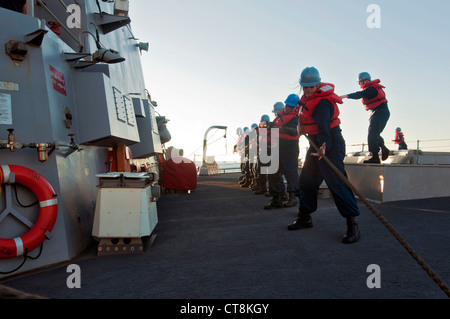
(39, 116)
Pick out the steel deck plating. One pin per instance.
(218, 242)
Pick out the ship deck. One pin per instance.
(218, 242)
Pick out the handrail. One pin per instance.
(53, 15)
(204, 139)
(204, 167)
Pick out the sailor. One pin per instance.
(374, 99)
(263, 146)
(277, 108)
(245, 182)
(400, 139)
(319, 119)
(286, 122)
(240, 149)
(253, 156)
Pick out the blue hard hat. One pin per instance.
(363, 76)
(245, 129)
(254, 125)
(310, 77)
(292, 100)
(398, 129)
(278, 107)
(265, 118)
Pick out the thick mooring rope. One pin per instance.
(383, 220)
(11, 293)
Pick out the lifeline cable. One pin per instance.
(381, 218)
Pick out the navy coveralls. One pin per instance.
(378, 119)
(288, 163)
(314, 171)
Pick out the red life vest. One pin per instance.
(283, 118)
(324, 92)
(263, 138)
(370, 104)
(399, 137)
(253, 139)
(240, 145)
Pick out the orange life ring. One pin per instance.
(12, 247)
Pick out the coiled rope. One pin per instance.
(383, 220)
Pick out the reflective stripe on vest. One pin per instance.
(324, 92)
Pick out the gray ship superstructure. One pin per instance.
(73, 105)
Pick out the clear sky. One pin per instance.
(226, 62)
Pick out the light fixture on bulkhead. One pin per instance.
(143, 46)
(107, 56)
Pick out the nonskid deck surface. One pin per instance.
(218, 242)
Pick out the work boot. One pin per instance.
(245, 184)
(284, 196)
(352, 234)
(292, 201)
(373, 160)
(303, 221)
(384, 153)
(274, 203)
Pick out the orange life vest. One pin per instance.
(324, 92)
(240, 146)
(370, 104)
(399, 137)
(264, 136)
(283, 118)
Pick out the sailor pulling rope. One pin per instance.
(436, 278)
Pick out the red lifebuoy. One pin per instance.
(12, 247)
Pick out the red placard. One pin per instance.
(58, 80)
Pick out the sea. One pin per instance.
(224, 166)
